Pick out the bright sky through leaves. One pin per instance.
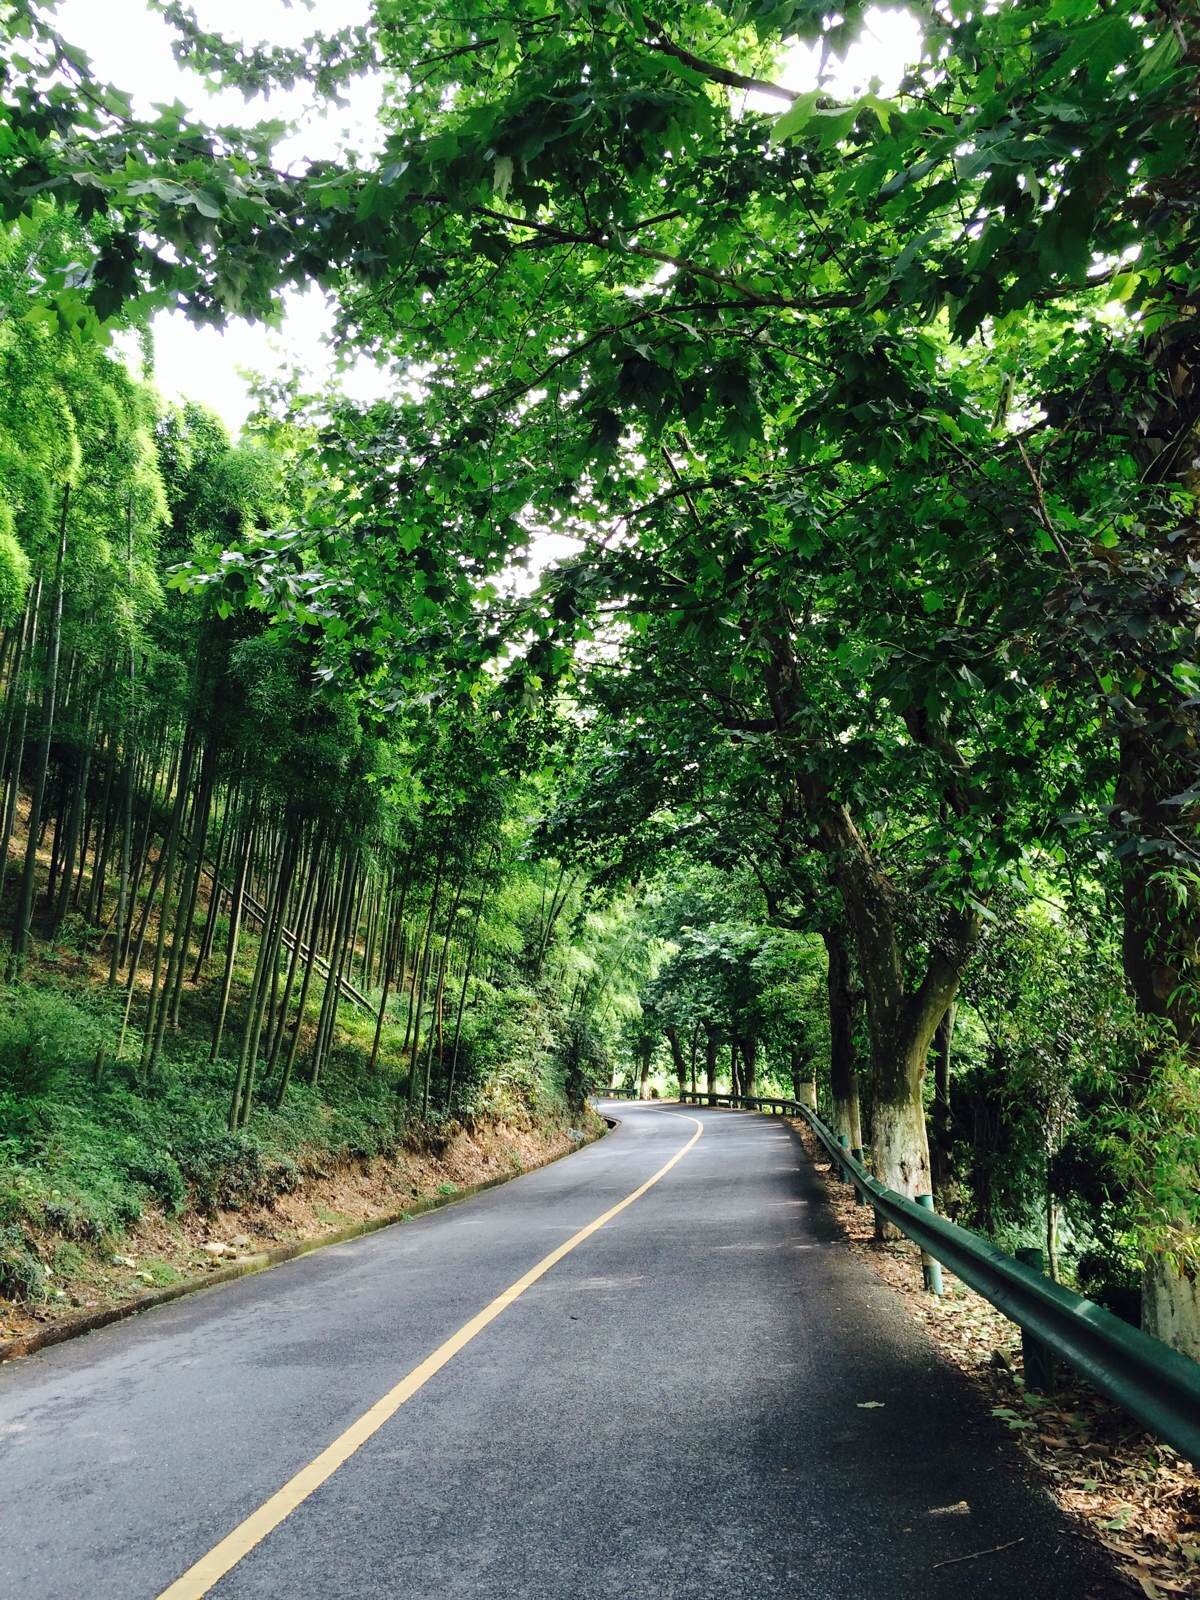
(130, 47)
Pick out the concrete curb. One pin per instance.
(28, 1344)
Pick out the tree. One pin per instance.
(872, 425)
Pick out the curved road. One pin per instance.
(707, 1397)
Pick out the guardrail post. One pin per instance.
(931, 1270)
(859, 1198)
(1041, 1369)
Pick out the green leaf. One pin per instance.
(792, 122)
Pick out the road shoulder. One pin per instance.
(1128, 1495)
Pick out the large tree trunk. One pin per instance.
(712, 1043)
(1157, 764)
(1162, 966)
(748, 1050)
(943, 1043)
(901, 1020)
(899, 1138)
(677, 1058)
(1171, 1305)
(843, 1069)
(804, 1084)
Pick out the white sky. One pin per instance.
(130, 48)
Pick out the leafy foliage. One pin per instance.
(869, 427)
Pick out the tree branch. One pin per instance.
(709, 69)
(602, 241)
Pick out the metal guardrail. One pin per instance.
(773, 1104)
(1155, 1384)
(616, 1094)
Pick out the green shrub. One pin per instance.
(582, 1061)
(69, 1260)
(20, 1195)
(43, 1036)
(22, 1275)
(230, 1171)
(158, 1172)
(82, 1159)
(507, 1052)
(1111, 1282)
(162, 1273)
(69, 1218)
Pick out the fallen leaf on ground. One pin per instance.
(1124, 1489)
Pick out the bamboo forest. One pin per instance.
(741, 640)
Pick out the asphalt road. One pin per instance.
(708, 1398)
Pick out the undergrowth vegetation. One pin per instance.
(83, 1157)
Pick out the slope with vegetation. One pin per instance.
(257, 930)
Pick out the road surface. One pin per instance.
(707, 1397)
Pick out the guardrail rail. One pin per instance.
(1157, 1385)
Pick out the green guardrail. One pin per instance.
(1155, 1384)
(616, 1094)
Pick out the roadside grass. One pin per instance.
(81, 1161)
(161, 1273)
(85, 1154)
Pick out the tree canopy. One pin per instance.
(869, 427)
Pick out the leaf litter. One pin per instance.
(1121, 1487)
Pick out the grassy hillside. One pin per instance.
(92, 1152)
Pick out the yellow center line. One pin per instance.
(223, 1557)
